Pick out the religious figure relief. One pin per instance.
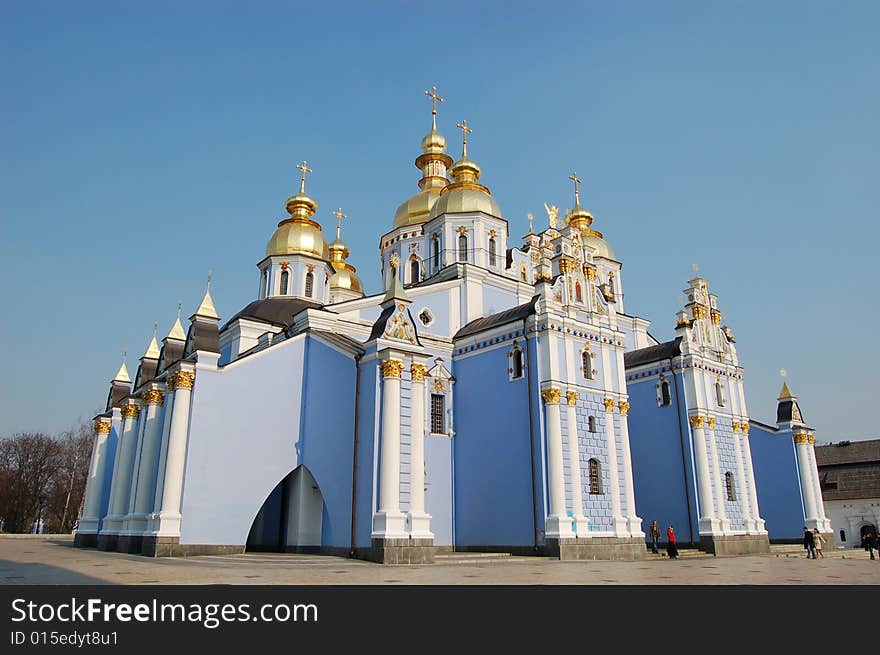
(399, 327)
(552, 214)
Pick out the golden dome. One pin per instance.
(593, 239)
(434, 142)
(415, 210)
(346, 278)
(299, 234)
(579, 217)
(465, 194)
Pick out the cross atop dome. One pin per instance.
(432, 94)
(465, 130)
(305, 169)
(339, 216)
(574, 178)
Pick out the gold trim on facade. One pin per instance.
(623, 406)
(572, 398)
(736, 426)
(130, 411)
(800, 437)
(711, 422)
(811, 438)
(102, 427)
(609, 404)
(418, 372)
(182, 380)
(697, 421)
(552, 396)
(716, 316)
(745, 429)
(391, 368)
(698, 311)
(153, 397)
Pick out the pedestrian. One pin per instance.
(818, 541)
(809, 544)
(671, 547)
(655, 537)
(870, 542)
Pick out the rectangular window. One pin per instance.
(438, 413)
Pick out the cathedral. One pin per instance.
(497, 395)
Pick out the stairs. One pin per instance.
(480, 558)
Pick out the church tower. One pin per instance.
(297, 262)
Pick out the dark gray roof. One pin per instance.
(172, 351)
(517, 313)
(277, 311)
(146, 371)
(343, 341)
(202, 335)
(651, 354)
(849, 470)
(119, 391)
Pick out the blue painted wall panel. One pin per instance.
(777, 483)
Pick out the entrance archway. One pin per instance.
(291, 517)
(865, 529)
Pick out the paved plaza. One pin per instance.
(54, 560)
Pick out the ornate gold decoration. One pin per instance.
(609, 404)
(391, 368)
(736, 426)
(800, 438)
(418, 372)
(182, 380)
(102, 427)
(130, 411)
(432, 94)
(590, 272)
(745, 429)
(552, 214)
(711, 422)
(310, 267)
(284, 266)
(438, 386)
(153, 397)
(567, 265)
(462, 229)
(399, 327)
(577, 196)
(493, 233)
(465, 130)
(572, 397)
(623, 406)
(697, 421)
(811, 438)
(716, 316)
(698, 311)
(552, 396)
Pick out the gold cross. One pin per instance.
(305, 169)
(531, 218)
(339, 216)
(465, 130)
(574, 178)
(432, 94)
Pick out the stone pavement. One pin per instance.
(54, 560)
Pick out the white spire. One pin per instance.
(177, 332)
(122, 373)
(206, 308)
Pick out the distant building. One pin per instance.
(849, 472)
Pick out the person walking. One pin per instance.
(818, 542)
(869, 542)
(671, 547)
(655, 537)
(809, 544)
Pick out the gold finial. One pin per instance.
(465, 130)
(577, 196)
(339, 216)
(432, 94)
(155, 328)
(179, 305)
(531, 218)
(783, 373)
(305, 169)
(696, 268)
(209, 280)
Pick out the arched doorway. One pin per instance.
(864, 530)
(291, 518)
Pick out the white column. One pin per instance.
(389, 522)
(824, 523)
(122, 463)
(128, 504)
(633, 520)
(146, 489)
(558, 524)
(741, 485)
(708, 522)
(581, 524)
(175, 464)
(807, 488)
(720, 487)
(419, 521)
(88, 523)
(163, 448)
(618, 522)
(750, 473)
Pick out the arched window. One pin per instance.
(591, 423)
(524, 275)
(595, 476)
(285, 281)
(436, 252)
(578, 292)
(310, 283)
(587, 364)
(492, 252)
(719, 393)
(462, 248)
(663, 397)
(414, 271)
(515, 370)
(843, 536)
(731, 489)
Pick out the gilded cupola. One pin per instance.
(433, 162)
(345, 276)
(465, 193)
(578, 217)
(299, 234)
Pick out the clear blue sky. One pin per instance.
(145, 144)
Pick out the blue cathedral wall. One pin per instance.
(663, 476)
(492, 456)
(109, 456)
(776, 479)
(368, 422)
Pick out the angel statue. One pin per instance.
(552, 214)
